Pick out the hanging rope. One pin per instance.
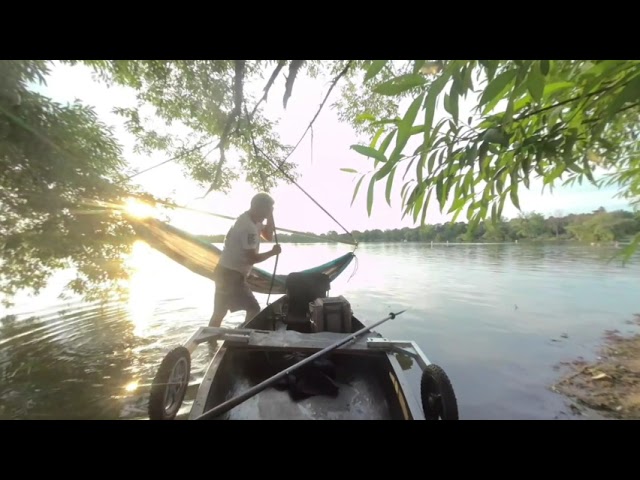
(286, 175)
(218, 215)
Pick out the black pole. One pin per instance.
(275, 267)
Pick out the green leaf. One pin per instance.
(404, 128)
(630, 93)
(467, 83)
(501, 202)
(412, 197)
(483, 212)
(491, 66)
(508, 113)
(496, 135)
(387, 192)
(468, 180)
(400, 84)
(535, 82)
(420, 167)
(554, 116)
(408, 203)
(602, 66)
(513, 192)
(499, 179)
(439, 189)
(456, 215)
(372, 184)
(363, 117)
(451, 105)
(384, 171)
(556, 87)
(497, 86)
(376, 137)
(355, 192)
(522, 103)
(544, 67)
(348, 170)
(417, 65)
(417, 206)
(470, 210)
(416, 129)
(457, 204)
(388, 121)
(408, 167)
(630, 249)
(386, 142)
(471, 154)
(430, 105)
(369, 152)
(405, 191)
(424, 207)
(374, 69)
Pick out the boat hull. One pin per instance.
(369, 383)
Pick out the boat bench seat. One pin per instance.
(290, 340)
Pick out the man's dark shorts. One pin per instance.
(232, 292)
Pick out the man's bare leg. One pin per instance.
(216, 319)
(251, 312)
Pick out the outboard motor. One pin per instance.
(303, 288)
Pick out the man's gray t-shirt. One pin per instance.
(242, 237)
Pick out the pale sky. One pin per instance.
(320, 177)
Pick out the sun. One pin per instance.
(138, 209)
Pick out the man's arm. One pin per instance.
(261, 257)
(250, 243)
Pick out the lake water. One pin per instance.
(497, 318)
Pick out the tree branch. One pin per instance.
(326, 97)
(569, 100)
(233, 116)
(181, 154)
(294, 66)
(258, 150)
(266, 89)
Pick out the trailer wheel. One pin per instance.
(170, 384)
(438, 398)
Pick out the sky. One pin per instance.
(319, 167)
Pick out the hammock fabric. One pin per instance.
(202, 257)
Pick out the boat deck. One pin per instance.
(357, 381)
(360, 397)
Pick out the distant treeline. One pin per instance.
(598, 226)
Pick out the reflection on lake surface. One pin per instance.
(497, 318)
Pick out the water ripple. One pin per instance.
(496, 317)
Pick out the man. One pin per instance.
(240, 253)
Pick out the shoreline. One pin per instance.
(523, 241)
(610, 385)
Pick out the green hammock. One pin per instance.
(202, 257)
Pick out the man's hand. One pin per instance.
(267, 231)
(261, 257)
